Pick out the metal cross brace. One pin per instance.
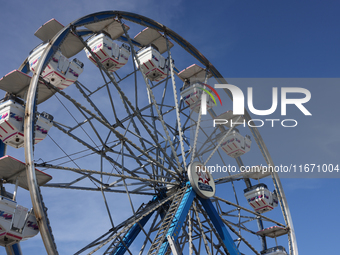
(177, 222)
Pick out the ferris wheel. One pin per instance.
(112, 107)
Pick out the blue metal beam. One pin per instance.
(179, 218)
(133, 232)
(131, 236)
(220, 227)
(2, 149)
(14, 249)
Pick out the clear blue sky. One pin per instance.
(243, 39)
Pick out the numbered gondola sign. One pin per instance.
(201, 180)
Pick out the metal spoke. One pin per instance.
(135, 221)
(154, 103)
(105, 173)
(201, 229)
(250, 211)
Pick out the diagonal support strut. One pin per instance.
(220, 227)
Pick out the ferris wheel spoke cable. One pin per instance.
(179, 170)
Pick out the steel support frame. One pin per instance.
(29, 125)
(219, 226)
(178, 219)
(131, 236)
(14, 249)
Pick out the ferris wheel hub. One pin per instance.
(201, 180)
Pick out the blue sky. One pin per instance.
(243, 39)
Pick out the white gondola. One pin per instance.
(108, 52)
(192, 90)
(60, 72)
(17, 223)
(43, 125)
(153, 64)
(260, 198)
(153, 45)
(235, 144)
(192, 94)
(12, 120)
(278, 250)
